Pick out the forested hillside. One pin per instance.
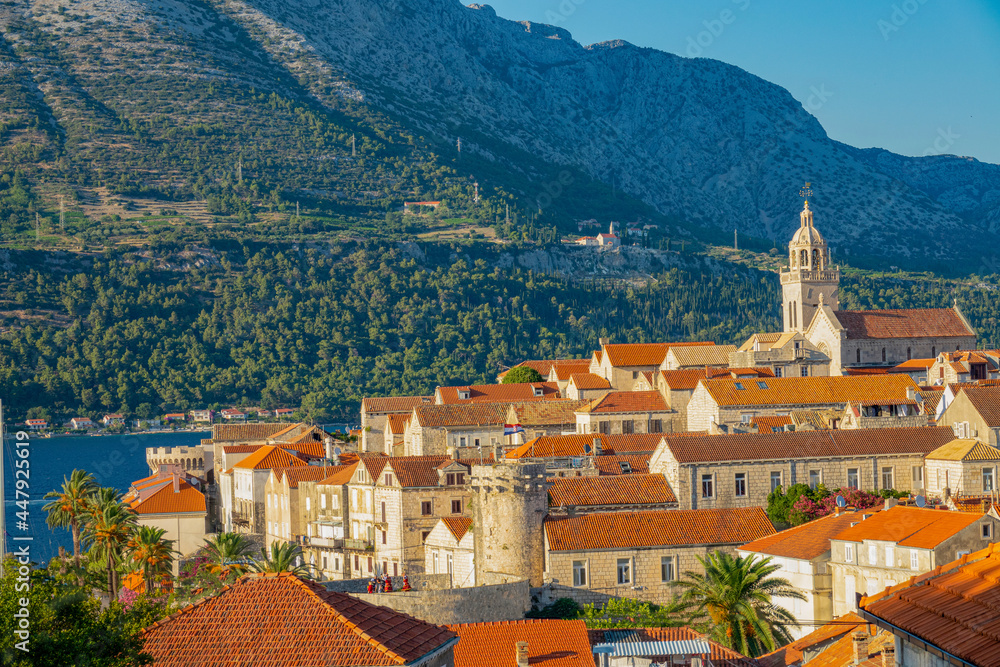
(322, 326)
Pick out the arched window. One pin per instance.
(859, 355)
(815, 262)
(804, 257)
(933, 351)
(883, 355)
(908, 354)
(795, 314)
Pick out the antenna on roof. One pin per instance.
(920, 501)
(841, 502)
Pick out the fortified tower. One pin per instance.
(509, 506)
(809, 279)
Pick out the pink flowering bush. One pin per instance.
(807, 509)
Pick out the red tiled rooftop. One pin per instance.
(279, 619)
(458, 525)
(627, 401)
(805, 542)
(791, 654)
(641, 354)
(551, 643)
(166, 501)
(615, 490)
(629, 530)
(270, 456)
(910, 526)
(808, 391)
(390, 404)
(911, 323)
(770, 424)
(573, 445)
(237, 432)
(612, 464)
(499, 393)
(589, 381)
(986, 401)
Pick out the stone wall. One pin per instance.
(479, 604)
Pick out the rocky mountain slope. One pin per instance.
(695, 138)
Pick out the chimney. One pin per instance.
(911, 393)
(597, 447)
(860, 643)
(603, 341)
(177, 481)
(521, 654)
(889, 656)
(890, 503)
(328, 447)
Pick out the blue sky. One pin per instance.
(913, 76)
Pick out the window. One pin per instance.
(988, 484)
(815, 479)
(667, 570)
(459, 478)
(746, 417)
(883, 355)
(887, 481)
(656, 426)
(357, 565)
(449, 479)
(434, 560)
(307, 504)
(852, 478)
(388, 479)
(424, 534)
(635, 375)
(477, 443)
(889, 560)
(461, 441)
(628, 426)
(426, 508)
(707, 486)
(859, 355)
(804, 371)
(761, 384)
(739, 386)
(909, 355)
(933, 351)
(384, 534)
(626, 467)
(741, 485)
(579, 573)
(456, 507)
(603, 427)
(848, 553)
(850, 592)
(324, 561)
(913, 559)
(778, 372)
(775, 479)
(383, 512)
(987, 530)
(872, 554)
(918, 476)
(370, 564)
(322, 501)
(336, 564)
(624, 571)
(395, 569)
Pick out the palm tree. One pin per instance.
(227, 554)
(281, 558)
(150, 554)
(102, 497)
(108, 533)
(70, 507)
(738, 595)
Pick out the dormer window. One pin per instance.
(739, 386)
(464, 394)
(538, 390)
(761, 384)
(626, 467)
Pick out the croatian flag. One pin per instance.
(512, 429)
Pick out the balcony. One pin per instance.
(328, 542)
(358, 545)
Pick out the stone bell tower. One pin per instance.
(808, 276)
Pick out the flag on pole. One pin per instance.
(512, 429)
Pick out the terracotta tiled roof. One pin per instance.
(374, 464)
(270, 456)
(165, 501)
(618, 490)
(767, 341)
(413, 471)
(805, 542)
(702, 355)
(770, 424)
(389, 404)
(687, 378)
(912, 365)
(630, 530)
(462, 414)
(458, 525)
(235, 432)
(986, 401)
(910, 527)
(612, 464)
(298, 474)
(499, 393)
(720, 655)
(965, 450)
(791, 654)
(807, 391)
(547, 446)
(841, 652)
(912, 323)
(397, 422)
(240, 449)
(627, 401)
(780, 446)
(952, 607)
(341, 475)
(545, 413)
(568, 367)
(589, 381)
(551, 643)
(279, 619)
(641, 354)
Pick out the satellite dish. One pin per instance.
(587, 449)
(920, 501)
(337, 451)
(841, 502)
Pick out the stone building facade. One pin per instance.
(625, 412)
(974, 413)
(962, 467)
(375, 410)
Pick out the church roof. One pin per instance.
(913, 323)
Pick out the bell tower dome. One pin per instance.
(808, 276)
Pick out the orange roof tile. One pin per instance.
(687, 378)
(952, 607)
(297, 474)
(545, 413)
(612, 464)
(461, 414)
(458, 525)
(389, 404)
(165, 501)
(589, 381)
(567, 368)
(641, 354)
(770, 424)
(911, 323)
(841, 652)
(986, 401)
(499, 393)
(414, 471)
(618, 490)
(702, 355)
(374, 464)
(805, 542)
(791, 654)
(630, 530)
(720, 655)
(270, 456)
(965, 450)
(397, 422)
(340, 476)
(551, 643)
(240, 449)
(808, 391)
(690, 448)
(910, 527)
(912, 365)
(615, 402)
(573, 445)
(279, 619)
(235, 432)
